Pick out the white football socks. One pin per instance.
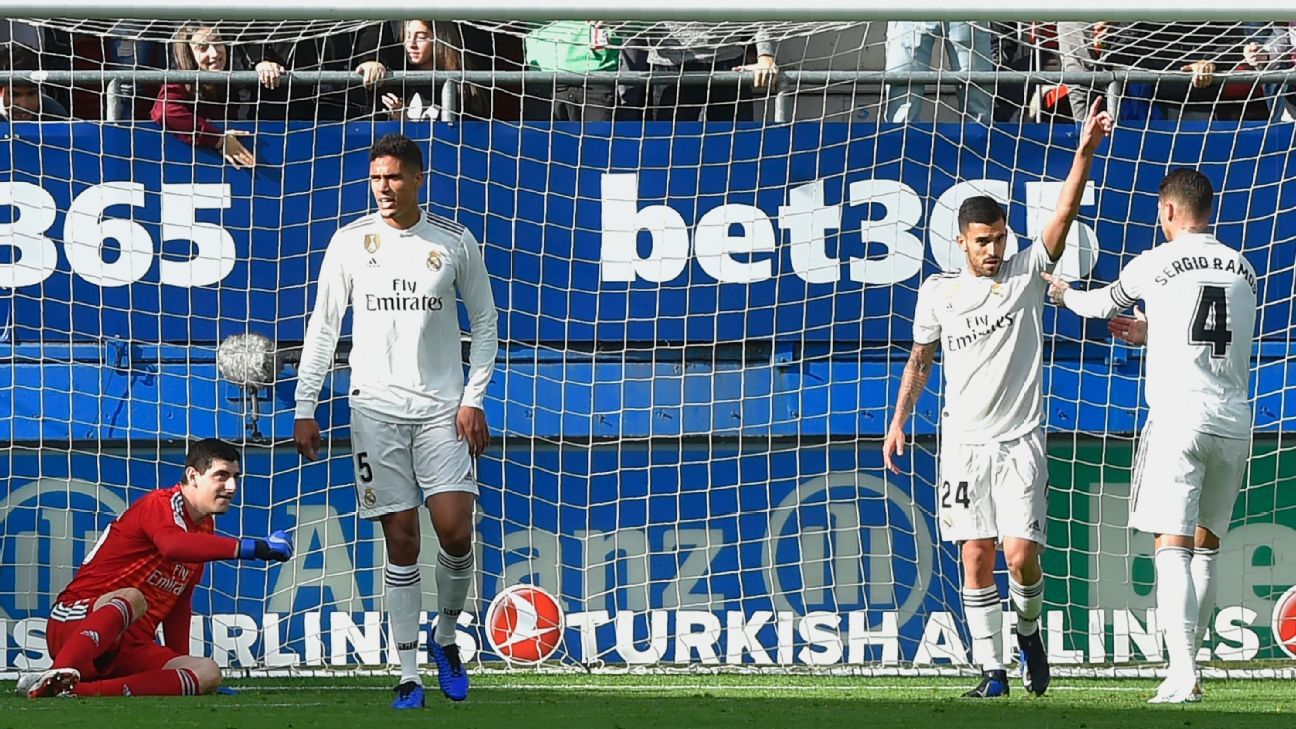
(1204, 569)
(404, 601)
(1177, 607)
(984, 612)
(1027, 601)
(453, 577)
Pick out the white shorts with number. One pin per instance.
(993, 490)
(1184, 478)
(399, 465)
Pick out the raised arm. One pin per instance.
(912, 383)
(1096, 128)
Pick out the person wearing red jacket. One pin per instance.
(187, 110)
(141, 574)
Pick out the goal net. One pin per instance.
(705, 294)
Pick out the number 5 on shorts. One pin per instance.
(363, 469)
(960, 495)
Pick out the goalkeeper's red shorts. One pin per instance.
(130, 655)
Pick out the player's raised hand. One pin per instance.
(1129, 329)
(1096, 127)
(893, 446)
(1057, 288)
(470, 424)
(278, 547)
(306, 436)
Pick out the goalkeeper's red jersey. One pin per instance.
(155, 547)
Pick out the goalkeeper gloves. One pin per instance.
(277, 547)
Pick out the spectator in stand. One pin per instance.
(909, 47)
(1026, 47)
(673, 48)
(573, 46)
(45, 50)
(369, 52)
(22, 100)
(1197, 47)
(430, 45)
(125, 49)
(190, 112)
(1081, 48)
(1276, 52)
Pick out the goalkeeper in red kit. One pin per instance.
(141, 574)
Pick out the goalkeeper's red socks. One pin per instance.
(163, 682)
(96, 634)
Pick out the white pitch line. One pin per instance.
(648, 688)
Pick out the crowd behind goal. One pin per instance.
(665, 49)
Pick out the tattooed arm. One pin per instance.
(912, 383)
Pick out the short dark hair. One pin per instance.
(16, 58)
(202, 453)
(399, 146)
(980, 209)
(1191, 189)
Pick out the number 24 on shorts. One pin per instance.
(960, 493)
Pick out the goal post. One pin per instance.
(703, 323)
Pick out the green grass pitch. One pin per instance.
(569, 701)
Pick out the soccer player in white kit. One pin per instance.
(416, 425)
(993, 468)
(1200, 325)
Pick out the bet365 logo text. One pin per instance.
(524, 624)
(739, 243)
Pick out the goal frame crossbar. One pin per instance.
(716, 11)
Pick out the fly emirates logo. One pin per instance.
(979, 327)
(175, 582)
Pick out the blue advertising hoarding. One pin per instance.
(632, 233)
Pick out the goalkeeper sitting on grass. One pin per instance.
(141, 574)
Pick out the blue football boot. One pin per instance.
(451, 674)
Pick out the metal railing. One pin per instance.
(788, 85)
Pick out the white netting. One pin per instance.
(262, 31)
(705, 316)
(235, 31)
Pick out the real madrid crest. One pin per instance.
(370, 498)
(434, 260)
(996, 288)
(372, 242)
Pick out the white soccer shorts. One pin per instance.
(993, 490)
(399, 465)
(1184, 478)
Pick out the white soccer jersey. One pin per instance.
(406, 362)
(992, 345)
(1201, 309)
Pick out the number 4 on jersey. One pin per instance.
(1210, 321)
